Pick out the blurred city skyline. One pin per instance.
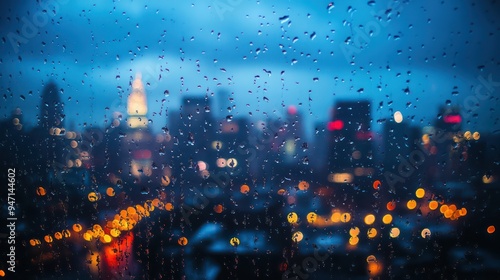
(268, 54)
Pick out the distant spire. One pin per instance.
(137, 107)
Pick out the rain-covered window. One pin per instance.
(238, 139)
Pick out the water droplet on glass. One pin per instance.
(330, 6)
(284, 19)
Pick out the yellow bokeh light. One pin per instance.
(110, 191)
(354, 231)
(340, 178)
(297, 236)
(165, 180)
(106, 238)
(148, 205)
(77, 228)
(433, 205)
(93, 196)
(394, 232)
(487, 179)
(244, 189)
(387, 219)
(183, 241)
(234, 241)
(476, 135)
(311, 217)
(372, 233)
(448, 213)
(425, 233)
(411, 204)
(221, 162)
(369, 219)
(169, 206)
(467, 135)
(48, 238)
(336, 216)
(115, 232)
(216, 145)
(303, 186)
(131, 210)
(354, 240)
(345, 217)
(58, 235)
(420, 193)
(156, 203)
(374, 268)
(425, 139)
(462, 212)
(398, 117)
(292, 217)
(231, 163)
(87, 235)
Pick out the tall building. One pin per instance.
(193, 131)
(137, 106)
(287, 146)
(449, 148)
(51, 109)
(399, 140)
(139, 139)
(350, 152)
(49, 134)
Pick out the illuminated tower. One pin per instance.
(138, 140)
(137, 107)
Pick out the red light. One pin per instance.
(292, 110)
(364, 135)
(142, 154)
(452, 119)
(335, 125)
(117, 252)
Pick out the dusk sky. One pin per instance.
(269, 53)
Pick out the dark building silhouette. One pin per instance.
(48, 137)
(319, 149)
(350, 141)
(193, 130)
(51, 108)
(449, 150)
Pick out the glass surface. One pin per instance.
(233, 139)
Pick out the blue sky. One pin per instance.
(269, 53)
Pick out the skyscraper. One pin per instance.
(137, 106)
(138, 141)
(51, 110)
(350, 141)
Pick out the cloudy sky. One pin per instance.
(410, 56)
